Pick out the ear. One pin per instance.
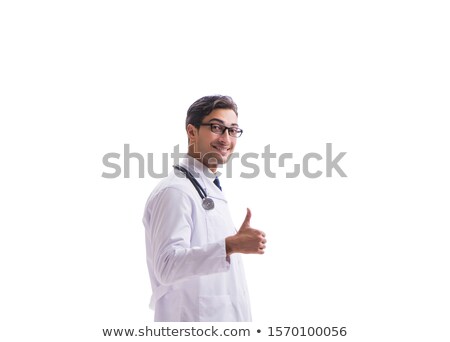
(192, 133)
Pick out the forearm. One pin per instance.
(175, 264)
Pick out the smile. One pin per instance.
(220, 148)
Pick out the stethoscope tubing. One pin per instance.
(207, 203)
(194, 182)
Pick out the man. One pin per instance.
(193, 250)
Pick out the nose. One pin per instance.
(224, 137)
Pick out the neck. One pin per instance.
(210, 166)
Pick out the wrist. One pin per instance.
(229, 245)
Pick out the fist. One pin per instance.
(247, 240)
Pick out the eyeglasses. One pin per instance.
(217, 128)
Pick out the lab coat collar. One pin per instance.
(204, 175)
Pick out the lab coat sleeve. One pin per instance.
(168, 237)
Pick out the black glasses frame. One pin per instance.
(238, 130)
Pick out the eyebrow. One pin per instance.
(222, 122)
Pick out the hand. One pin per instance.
(247, 240)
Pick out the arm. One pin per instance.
(168, 235)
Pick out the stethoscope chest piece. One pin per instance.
(207, 203)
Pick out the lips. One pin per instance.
(221, 149)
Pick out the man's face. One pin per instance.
(212, 148)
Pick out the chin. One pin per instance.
(224, 160)
(217, 158)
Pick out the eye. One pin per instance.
(216, 128)
(235, 132)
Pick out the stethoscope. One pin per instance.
(207, 202)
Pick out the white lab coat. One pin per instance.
(192, 278)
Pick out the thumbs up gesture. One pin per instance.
(247, 240)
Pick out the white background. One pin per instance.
(81, 79)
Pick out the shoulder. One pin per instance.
(173, 187)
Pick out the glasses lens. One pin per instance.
(235, 132)
(216, 128)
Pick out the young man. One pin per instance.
(193, 247)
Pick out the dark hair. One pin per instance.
(204, 106)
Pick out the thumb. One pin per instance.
(246, 222)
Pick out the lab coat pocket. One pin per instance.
(216, 309)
